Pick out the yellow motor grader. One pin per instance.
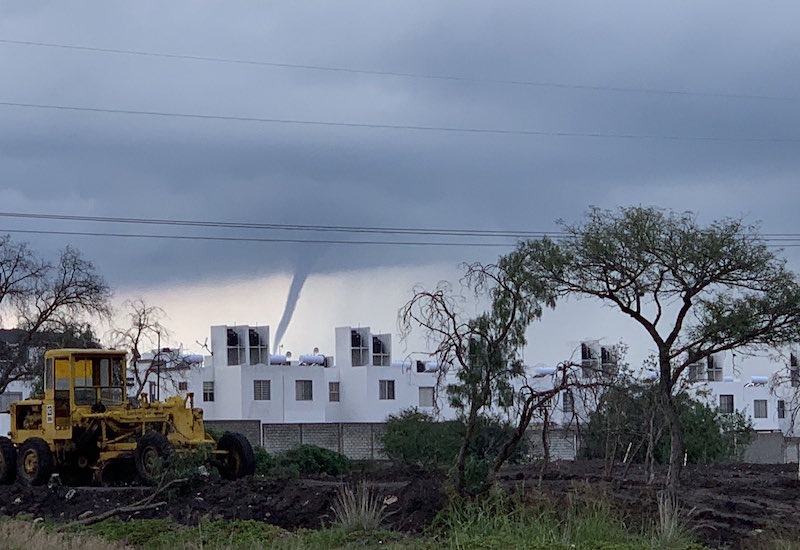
(85, 423)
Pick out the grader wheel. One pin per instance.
(152, 451)
(8, 461)
(239, 460)
(34, 462)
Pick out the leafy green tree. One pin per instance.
(695, 289)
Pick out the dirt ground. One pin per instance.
(731, 506)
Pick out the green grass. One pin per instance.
(580, 521)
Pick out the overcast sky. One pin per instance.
(732, 64)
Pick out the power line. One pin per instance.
(285, 240)
(429, 231)
(251, 239)
(399, 74)
(288, 227)
(409, 127)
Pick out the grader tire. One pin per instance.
(8, 461)
(152, 451)
(34, 462)
(239, 460)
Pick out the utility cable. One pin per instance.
(399, 74)
(408, 127)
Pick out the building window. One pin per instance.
(380, 353)
(781, 408)
(360, 351)
(259, 348)
(262, 390)
(714, 369)
(152, 392)
(304, 390)
(385, 389)
(235, 348)
(608, 361)
(208, 391)
(726, 404)
(589, 361)
(794, 370)
(333, 392)
(426, 396)
(183, 386)
(760, 408)
(568, 405)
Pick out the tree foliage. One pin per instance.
(628, 416)
(695, 289)
(480, 356)
(48, 302)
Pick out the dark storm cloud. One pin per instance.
(118, 165)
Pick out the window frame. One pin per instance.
(299, 390)
(208, 391)
(386, 390)
(337, 392)
(262, 387)
(724, 410)
(758, 405)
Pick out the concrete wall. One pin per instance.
(564, 444)
(772, 448)
(251, 429)
(358, 441)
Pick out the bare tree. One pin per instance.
(144, 331)
(48, 302)
(480, 356)
(696, 290)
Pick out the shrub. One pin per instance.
(415, 438)
(310, 459)
(358, 508)
(264, 461)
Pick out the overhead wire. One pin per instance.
(771, 239)
(407, 127)
(400, 74)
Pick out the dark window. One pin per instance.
(380, 353)
(760, 408)
(726, 404)
(262, 390)
(781, 408)
(794, 370)
(235, 348)
(304, 390)
(360, 351)
(183, 386)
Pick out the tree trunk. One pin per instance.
(676, 433)
(463, 451)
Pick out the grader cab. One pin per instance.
(84, 424)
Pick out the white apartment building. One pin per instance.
(764, 388)
(360, 382)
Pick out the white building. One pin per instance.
(764, 388)
(16, 391)
(360, 382)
